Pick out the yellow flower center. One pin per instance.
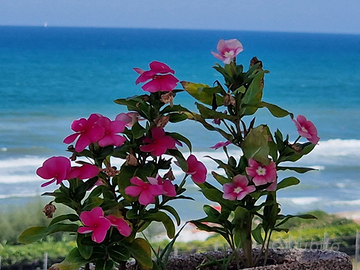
(238, 190)
(227, 54)
(261, 171)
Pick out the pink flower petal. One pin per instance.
(133, 191)
(122, 226)
(220, 144)
(228, 50)
(146, 198)
(155, 190)
(159, 78)
(159, 67)
(169, 189)
(69, 139)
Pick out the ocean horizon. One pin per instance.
(51, 76)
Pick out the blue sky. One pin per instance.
(320, 16)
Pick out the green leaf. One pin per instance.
(37, 233)
(255, 145)
(212, 114)
(177, 117)
(223, 165)
(132, 214)
(172, 211)
(200, 119)
(92, 202)
(123, 180)
(287, 217)
(275, 110)
(104, 265)
(71, 217)
(256, 233)
(211, 212)
(141, 252)
(279, 140)
(287, 182)
(271, 211)
(201, 226)
(33, 234)
(221, 179)
(137, 130)
(239, 236)
(179, 157)
(290, 154)
(296, 169)
(119, 253)
(174, 108)
(164, 219)
(253, 95)
(72, 262)
(203, 92)
(164, 256)
(215, 195)
(85, 250)
(181, 138)
(136, 104)
(241, 215)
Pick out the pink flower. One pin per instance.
(167, 185)
(306, 129)
(129, 118)
(120, 224)
(95, 223)
(145, 191)
(159, 143)
(228, 50)
(220, 144)
(54, 168)
(169, 188)
(85, 171)
(88, 131)
(160, 79)
(262, 174)
(111, 128)
(196, 169)
(238, 189)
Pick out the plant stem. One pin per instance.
(298, 138)
(262, 248)
(267, 248)
(247, 247)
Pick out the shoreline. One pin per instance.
(352, 215)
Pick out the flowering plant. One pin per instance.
(112, 202)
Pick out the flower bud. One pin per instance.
(297, 147)
(162, 121)
(49, 210)
(169, 175)
(229, 100)
(254, 61)
(110, 171)
(168, 98)
(131, 160)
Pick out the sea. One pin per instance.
(50, 76)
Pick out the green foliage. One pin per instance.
(16, 219)
(15, 254)
(136, 195)
(249, 183)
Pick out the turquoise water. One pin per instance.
(51, 76)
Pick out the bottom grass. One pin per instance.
(301, 231)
